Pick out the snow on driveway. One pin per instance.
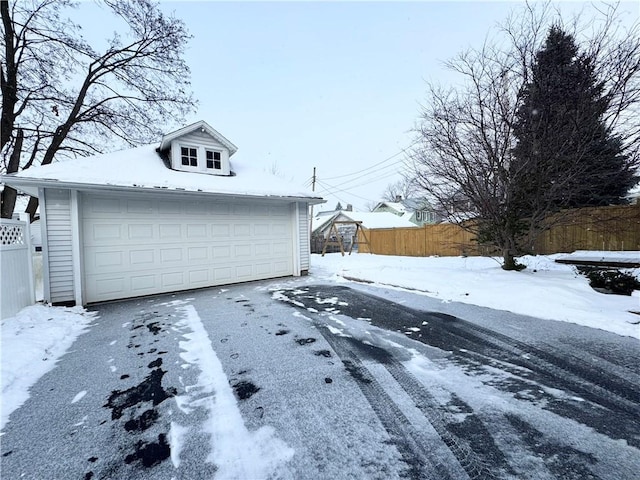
(34, 340)
(236, 452)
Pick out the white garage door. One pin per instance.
(138, 246)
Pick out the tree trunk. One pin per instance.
(509, 261)
(32, 207)
(9, 194)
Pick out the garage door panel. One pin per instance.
(105, 232)
(222, 252)
(198, 231)
(244, 272)
(242, 230)
(199, 277)
(141, 232)
(279, 268)
(106, 205)
(169, 208)
(138, 247)
(170, 255)
(241, 210)
(221, 230)
(242, 251)
(169, 231)
(144, 207)
(172, 279)
(141, 257)
(108, 259)
(143, 282)
(277, 211)
(196, 254)
(220, 209)
(222, 275)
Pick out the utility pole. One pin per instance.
(313, 189)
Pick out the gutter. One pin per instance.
(31, 185)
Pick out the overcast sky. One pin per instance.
(331, 85)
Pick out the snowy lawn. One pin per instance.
(545, 289)
(31, 344)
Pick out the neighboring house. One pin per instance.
(172, 216)
(370, 220)
(417, 211)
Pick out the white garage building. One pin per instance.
(162, 218)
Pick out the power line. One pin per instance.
(403, 170)
(326, 188)
(375, 164)
(376, 172)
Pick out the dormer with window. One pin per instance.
(198, 148)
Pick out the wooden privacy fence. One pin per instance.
(601, 228)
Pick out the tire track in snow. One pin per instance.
(469, 342)
(425, 460)
(604, 386)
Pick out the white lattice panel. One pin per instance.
(12, 235)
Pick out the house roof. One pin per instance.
(142, 169)
(165, 143)
(369, 220)
(397, 206)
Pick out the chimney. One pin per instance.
(349, 207)
(398, 198)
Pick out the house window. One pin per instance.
(213, 160)
(189, 156)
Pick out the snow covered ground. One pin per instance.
(545, 289)
(31, 344)
(34, 340)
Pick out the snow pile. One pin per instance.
(32, 342)
(545, 289)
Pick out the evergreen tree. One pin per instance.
(565, 154)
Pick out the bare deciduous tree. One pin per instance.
(62, 98)
(405, 188)
(465, 160)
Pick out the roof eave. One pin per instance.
(32, 185)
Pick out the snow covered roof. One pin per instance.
(369, 220)
(142, 169)
(397, 206)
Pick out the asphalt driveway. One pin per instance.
(292, 379)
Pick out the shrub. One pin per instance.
(613, 281)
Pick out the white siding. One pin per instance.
(59, 245)
(303, 220)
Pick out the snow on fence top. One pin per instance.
(12, 232)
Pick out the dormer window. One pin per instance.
(198, 148)
(214, 160)
(189, 156)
